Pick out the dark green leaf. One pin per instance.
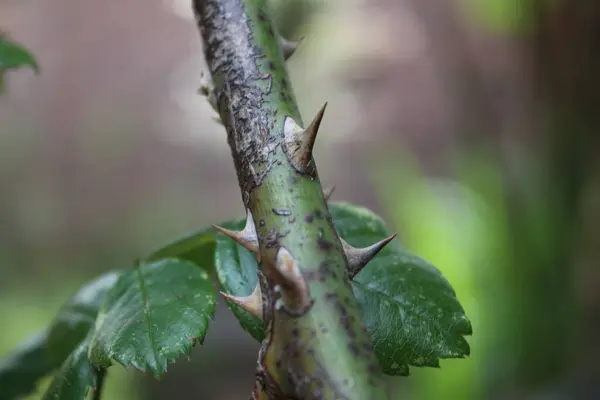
(236, 271)
(410, 310)
(154, 313)
(20, 371)
(76, 318)
(198, 247)
(13, 55)
(24, 366)
(75, 378)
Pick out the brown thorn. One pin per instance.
(291, 281)
(289, 47)
(251, 303)
(308, 138)
(328, 192)
(358, 258)
(247, 237)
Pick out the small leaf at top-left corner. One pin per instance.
(14, 55)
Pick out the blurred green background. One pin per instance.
(470, 125)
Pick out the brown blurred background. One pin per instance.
(470, 125)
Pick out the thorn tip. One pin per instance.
(289, 47)
(309, 137)
(251, 303)
(358, 258)
(247, 237)
(328, 192)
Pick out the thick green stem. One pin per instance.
(316, 345)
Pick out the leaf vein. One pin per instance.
(147, 315)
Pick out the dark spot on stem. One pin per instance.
(309, 218)
(353, 348)
(324, 245)
(373, 368)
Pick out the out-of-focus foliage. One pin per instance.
(13, 56)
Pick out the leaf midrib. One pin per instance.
(146, 305)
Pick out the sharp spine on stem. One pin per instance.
(289, 47)
(251, 303)
(300, 142)
(292, 284)
(328, 192)
(247, 237)
(358, 258)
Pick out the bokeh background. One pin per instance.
(470, 125)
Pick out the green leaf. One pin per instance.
(75, 378)
(42, 354)
(155, 312)
(76, 318)
(410, 310)
(24, 366)
(12, 56)
(197, 247)
(236, 270)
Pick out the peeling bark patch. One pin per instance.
(234, 60)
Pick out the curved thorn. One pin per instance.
(247, 237)
(251, 303)
(289, 47)
(293, 285)
(328, 192)
(358, 258)
(308, 138)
